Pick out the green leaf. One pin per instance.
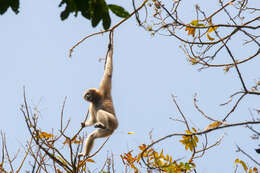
(84, 7)
(119, 11)
(65, 14)
(15, 6)
(106, 20)
(97, 12)
(4, 5)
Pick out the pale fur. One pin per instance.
(102, 114)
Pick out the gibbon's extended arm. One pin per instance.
(106, 82)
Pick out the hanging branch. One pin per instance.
(109, 30)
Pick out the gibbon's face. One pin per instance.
(92, 95)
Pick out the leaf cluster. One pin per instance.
(190, 142)
(155, 160)
(245, 167)
(5, 4)
(94, 10)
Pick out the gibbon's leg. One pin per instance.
(99, 133)
(106, 120)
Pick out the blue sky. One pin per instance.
(34, 53)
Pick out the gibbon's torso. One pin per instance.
(106, 105)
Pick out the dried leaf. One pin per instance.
(90, 160)
(130, 133)
(45, 135)
(209, 37)
(213, 125)
(191, 31)
(244, 165)
(237, 161)
(211, 29)
(67, 141)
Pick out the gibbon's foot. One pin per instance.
(81, 154)
(99, 125)
(83, 124)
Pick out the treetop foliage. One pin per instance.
(5, 4)
(95, 11)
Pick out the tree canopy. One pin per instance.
(208, 40)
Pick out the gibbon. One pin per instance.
(101, 109)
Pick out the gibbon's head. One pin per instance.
(92, 95)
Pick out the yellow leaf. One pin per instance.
(156, 155)
(211, 29)
(237, 160)
(194, 129)
(161, 154)
(45, 135)
(188, 132)
(191, 31)
(250, 170)
(167, 157)
(76, 142)
(194, 22)
(196, 139)
(161, 162)
(170, 159)
(258, 83)
(255, 170)
(244, 165)
(130, 133)
(213, 125)
(142, 147)
(226, 69)
(193, 61)
(90, 160)
(209, 37)
(67, 141)
(138, 158)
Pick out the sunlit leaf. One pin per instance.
(142, 147)
(213, 125)
(209, 37)
(191, 31)
(237, 161)
(90, 160)
(194, 22)
(244, 165)
(194, 129)
(211, 29)
(45, 135)
(119, 11)
(188, 132)
(130, 133)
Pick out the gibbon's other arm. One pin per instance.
(106, 82)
